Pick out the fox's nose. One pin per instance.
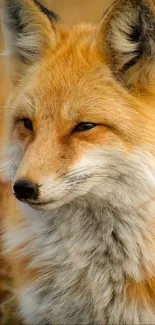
(25, 190)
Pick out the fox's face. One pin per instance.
(82, 98)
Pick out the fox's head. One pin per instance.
(82, 98)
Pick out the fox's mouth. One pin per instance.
(36, 204)
(44, 205)
(41, 203)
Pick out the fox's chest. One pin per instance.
(69, 299)
(51, 286)
(58, 301)
(68, 278)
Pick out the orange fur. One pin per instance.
(143, 292)
(73, 82)
(115, 109)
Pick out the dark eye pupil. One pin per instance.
(85, 126)
(28, 124)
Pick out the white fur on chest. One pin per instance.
(87, 251)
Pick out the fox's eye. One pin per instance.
(84, 126)
(28, 124)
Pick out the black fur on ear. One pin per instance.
(50, 14)
(128, 30)
(30, 27)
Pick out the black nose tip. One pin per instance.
(25, 190)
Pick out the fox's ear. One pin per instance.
(29, 28)
(126, 36)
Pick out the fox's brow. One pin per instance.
(29, 102)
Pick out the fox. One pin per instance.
(79, 157)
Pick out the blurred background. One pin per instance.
(71, 12)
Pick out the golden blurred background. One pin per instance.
(70, 12)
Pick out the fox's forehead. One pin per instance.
(64, 88)
(69, 79)
(74, 83)
(73, 61)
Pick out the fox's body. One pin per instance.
(80, 263)
(80, 146)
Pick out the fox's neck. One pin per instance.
(107, 232)
(117, 235)
(111, 245)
